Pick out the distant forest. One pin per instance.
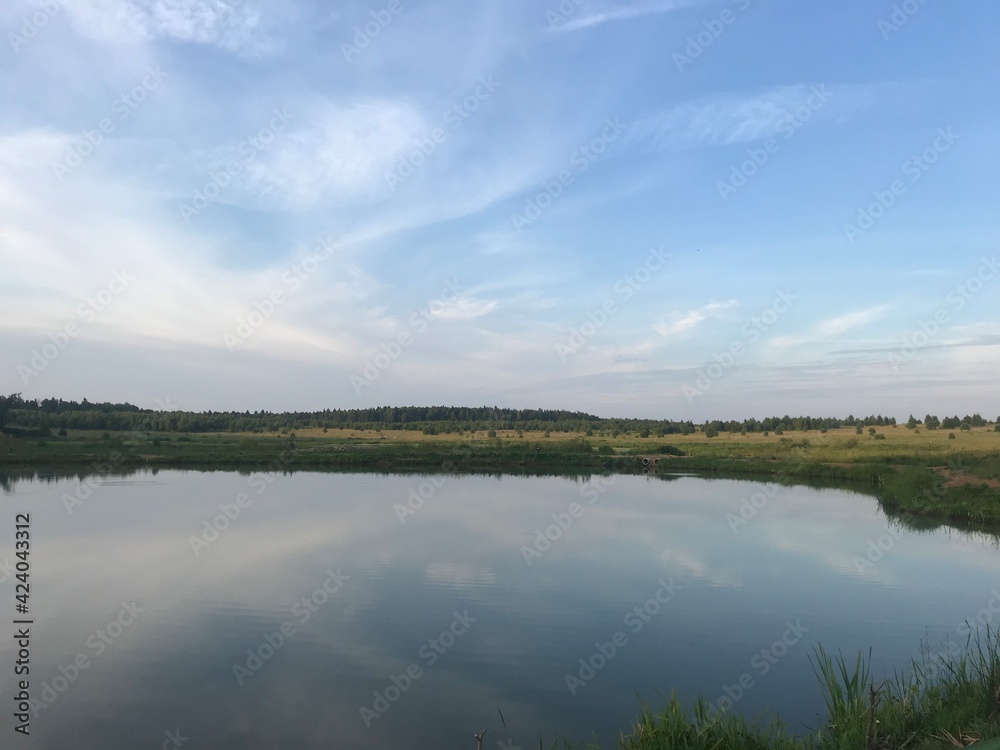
(56, 414)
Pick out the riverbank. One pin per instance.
(915, 475)
(948, 698)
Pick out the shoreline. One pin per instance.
(957, 486)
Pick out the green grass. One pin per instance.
(942, 701)
(898, 470)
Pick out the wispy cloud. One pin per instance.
(338, 152)
(609, 15)
(843, 323)
(235, 27)
(467, 308)
(832, 327)
(734, 118)
(682, 322)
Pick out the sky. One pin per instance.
(683, 209)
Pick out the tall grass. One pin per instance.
(943, 700)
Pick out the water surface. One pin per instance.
(434, 606)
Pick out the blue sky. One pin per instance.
(684, 209)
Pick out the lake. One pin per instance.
(314, 610)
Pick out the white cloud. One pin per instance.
(856, 319)
(338, 151)
(179, 296)
(233, 26)
(626, 13)
(682, 322)
(467, 308)
(831, 327)
(732, 118)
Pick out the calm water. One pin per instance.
(440, 613)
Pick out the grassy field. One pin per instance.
(915, 473)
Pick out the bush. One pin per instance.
(879, 436)
(491, 433)
(951, 435)
(669, 450)
(644, 433)
(711, 432)
(62, 432)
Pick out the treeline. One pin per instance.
(949, 423)
(57, 414)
